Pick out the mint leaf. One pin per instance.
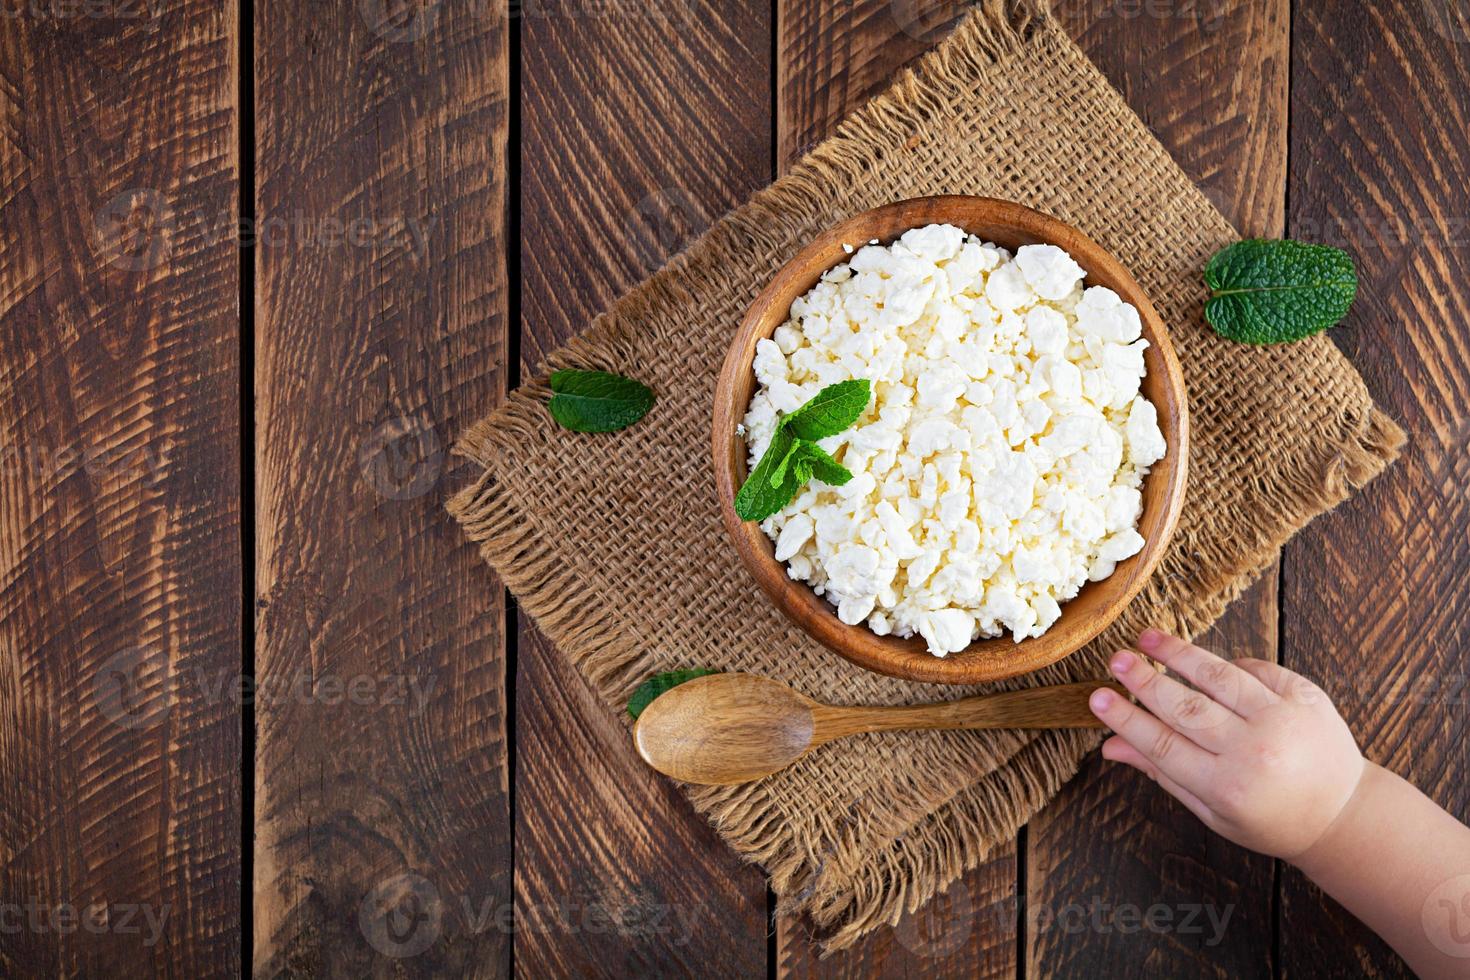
(658, 684)
(778, 475)
(807, 460)
(758, 497)
(1271, 292)
(822, 466)
(596, 401)
(830, 411)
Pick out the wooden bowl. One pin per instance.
(1098, 603)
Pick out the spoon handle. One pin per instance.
(1060, 706)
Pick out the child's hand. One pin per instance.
(1261, 756)
(1258, 753)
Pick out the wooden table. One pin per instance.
(224, 416)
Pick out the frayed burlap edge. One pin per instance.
(959, 835)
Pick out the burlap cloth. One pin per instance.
(613, 542)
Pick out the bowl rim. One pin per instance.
(983, 660)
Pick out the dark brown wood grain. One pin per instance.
(120, 576)
(383, 820)
(642, 123)
(1375, 592)
(382, 795)
(1210, 80)
(625, 880)
(966, 931)
(833, 57)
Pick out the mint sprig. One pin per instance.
(659, 683)
(1272, 292)
(793, 458)
(596, 401)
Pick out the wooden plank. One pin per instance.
(831, 58)
(120, 591)
(1211, 81)
(382, 797)
(626, 880)
(1374, 595)
(640, 126)
(969, 930)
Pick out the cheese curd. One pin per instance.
(998, 466)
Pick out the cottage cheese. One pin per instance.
(997, 468)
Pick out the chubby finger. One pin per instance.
(1203, 721)
(1286, 684)
(1116, 749)
(1169, 752)
(1236, 689)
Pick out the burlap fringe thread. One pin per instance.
(587, 628)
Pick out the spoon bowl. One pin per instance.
(725, 728)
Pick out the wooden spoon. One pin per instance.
(733, 728)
